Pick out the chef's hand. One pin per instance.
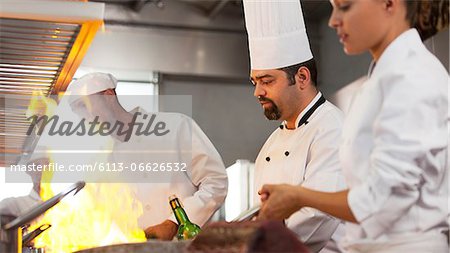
(279, 201)
(163, 231)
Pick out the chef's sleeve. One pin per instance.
(208, 174)
(19, 205)
(410, 136)
(323, 173)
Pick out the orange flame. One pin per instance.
(41, 105)
(99, 215)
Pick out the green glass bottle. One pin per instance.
(186, 229)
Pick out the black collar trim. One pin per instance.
(304, 119)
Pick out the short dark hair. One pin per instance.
(292, 70)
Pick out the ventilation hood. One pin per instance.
(42, 43)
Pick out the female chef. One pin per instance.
(395, 138)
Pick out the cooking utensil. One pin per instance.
(248, 214)
(10, 240)
(149, 246)
(11, 227)
(43, 207)
(26, 240)
(246, 237)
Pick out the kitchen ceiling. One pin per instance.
(314, 10)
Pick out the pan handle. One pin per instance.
(26, 239)
(248, 214)
(43, 207)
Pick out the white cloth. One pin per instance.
(423, 243)
(90, 84)
(276, 33)
(19, 205)
(312, 162)
(394, 146)
(202, 189)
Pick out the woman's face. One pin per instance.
(360, 24)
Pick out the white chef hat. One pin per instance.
(276, 33)
(90, 84)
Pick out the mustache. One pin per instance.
(264, 99)
(272, 113)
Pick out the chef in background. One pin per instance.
(202, 188)
(395, 137)
(303, 150)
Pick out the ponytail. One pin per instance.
(428, 16)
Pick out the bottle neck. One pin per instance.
(181, 216)
(179, 212)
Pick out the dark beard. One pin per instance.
(271, 113)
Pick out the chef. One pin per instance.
(394, 149)
(202, 187)
(303, 150)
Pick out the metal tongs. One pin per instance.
(26, 239)
(248, 214)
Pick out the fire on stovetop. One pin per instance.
(99, 215)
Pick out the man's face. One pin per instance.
(91, 106)
(274, 92)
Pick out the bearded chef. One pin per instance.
(303, 150)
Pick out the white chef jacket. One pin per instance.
(394, 148)
(307, 156)
(18, 205)
(202, 189)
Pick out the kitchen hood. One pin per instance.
(42, 43)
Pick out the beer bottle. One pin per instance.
(186, 229)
